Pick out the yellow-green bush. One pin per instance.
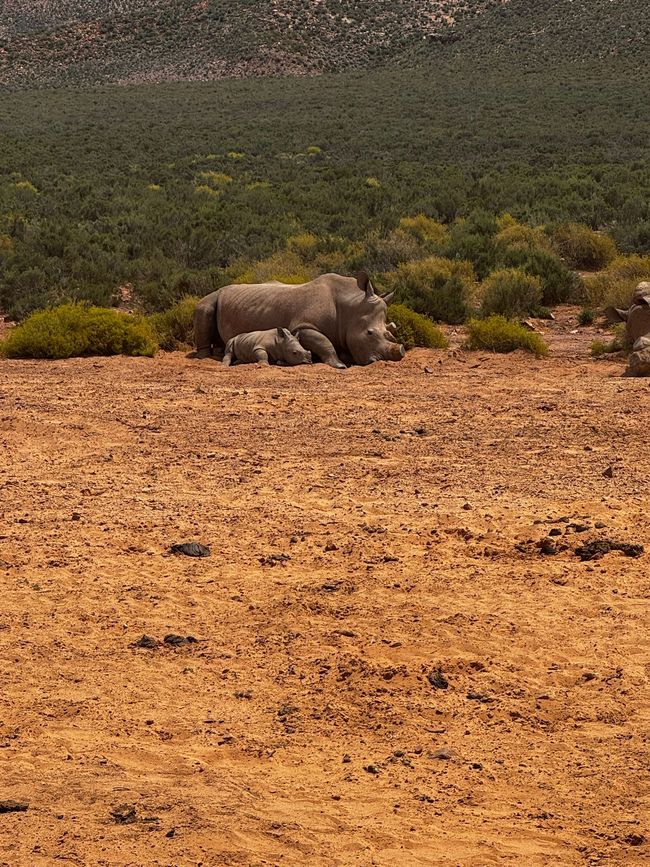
(615, 285)
(174, 327)
(581, 247)
(510, 292)
(285, 266)
(79, 329)
(515, 236)
(414, 329)
(443, 289)
(498, 334)
(427, 231)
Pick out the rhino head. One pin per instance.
(290, 350)
(637, 316)
(368, 336)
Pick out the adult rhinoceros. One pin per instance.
(332, 316)
(637, 328)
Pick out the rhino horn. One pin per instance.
(613, 314)
(387, 298)
(363, 282)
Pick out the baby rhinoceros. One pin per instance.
(276, 344)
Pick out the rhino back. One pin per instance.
(245, 344)
(258, 307)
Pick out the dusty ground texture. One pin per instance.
(302, 726)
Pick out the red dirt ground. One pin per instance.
(301, 727)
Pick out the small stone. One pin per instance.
(479, 696)
(14, 806)
(437, 679)
(555, 532)
(146, 641)
(331, 547)
(445, 753)
(547, 546)
(599, 525)
(190, 549)
(346, 759)
(609, 472)
(179, 640)
(635, 839)
(371, 769)
(125, 814)
(170, 833)
(467, 507)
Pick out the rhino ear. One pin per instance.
(613, 314)
(286, 333)
(279, 332)
(363, 282)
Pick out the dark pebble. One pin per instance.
(443, 753)
(437, 679)
(191, 549)
(146, 641)
(179, 640)
(547, 546)
(14, 806)
(125, 814)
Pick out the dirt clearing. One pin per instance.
(387, 670)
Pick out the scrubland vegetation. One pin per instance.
(471, 189)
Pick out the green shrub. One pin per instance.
(581, 247)
(439, 288)
(620, 342)
(498, 334)
(385, 252)
(510, 292)
(285, 266)
(430, 233)
(174, 327)
(559, 284)
(514, 236)
(586, 316)
(615, 285)
(79, 329)
(414, 329)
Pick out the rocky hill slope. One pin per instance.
(74, 42)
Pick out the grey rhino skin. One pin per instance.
(637, 316)
(637, 328)
(276, 344)
(332, 316)
(639, 361)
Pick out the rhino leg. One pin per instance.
(205, 325)
(227, 356)
(319, 345)
(261, 356)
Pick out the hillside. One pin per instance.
(170, 40)
(129, 41)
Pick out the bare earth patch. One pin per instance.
(373, 536)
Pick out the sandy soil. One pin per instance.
(302, 727)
